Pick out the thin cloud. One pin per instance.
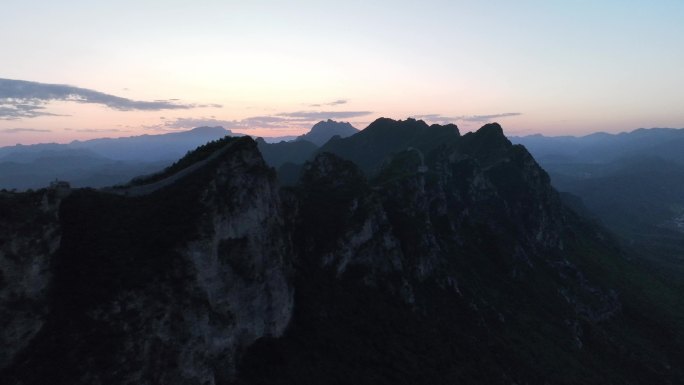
(466, 118)
(434, 117)
(321, 115)
(284, 120)
(15, 110)
(332, 104)
(25, 99)
(486, 118)
(247, 123)
(21, 130)
(95, 130)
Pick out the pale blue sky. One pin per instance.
(554, 67)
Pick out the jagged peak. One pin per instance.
(383, 137)
(326, 124)
(385, 124)
(490, 136)
(448, 127)
(491, 129)
(382, 123)
(322, 131)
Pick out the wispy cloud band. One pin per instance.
(331, 104)
(466, 118)
(284, 120)
(22, 130)
(26, 99)
(319, 115)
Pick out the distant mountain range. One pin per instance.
(98, 162)
(142, 148)
(601, 147)
(633, 182)
(109, 161)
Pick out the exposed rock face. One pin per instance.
(341, 222)
(29, 236)
(243, 264)
(177, 300)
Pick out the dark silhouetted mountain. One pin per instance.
(455, 262)
(277, 154)
(372, 146)
(322, 131)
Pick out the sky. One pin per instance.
(85, 69)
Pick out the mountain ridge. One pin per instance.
(455, 262)
(369, 147)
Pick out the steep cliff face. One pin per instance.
(415, 213)
(29, 236)
(167, 287)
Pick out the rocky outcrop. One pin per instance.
(419, 210)
(167, 287)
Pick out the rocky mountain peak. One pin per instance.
(391, 124)
(322, 131)
(373, 146)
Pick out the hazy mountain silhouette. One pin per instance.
(81, 167)
(322, 131)
(148, 148)
(98, 162)
(633, 182)
(169, 146)
(108, 161)
(665, 143)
